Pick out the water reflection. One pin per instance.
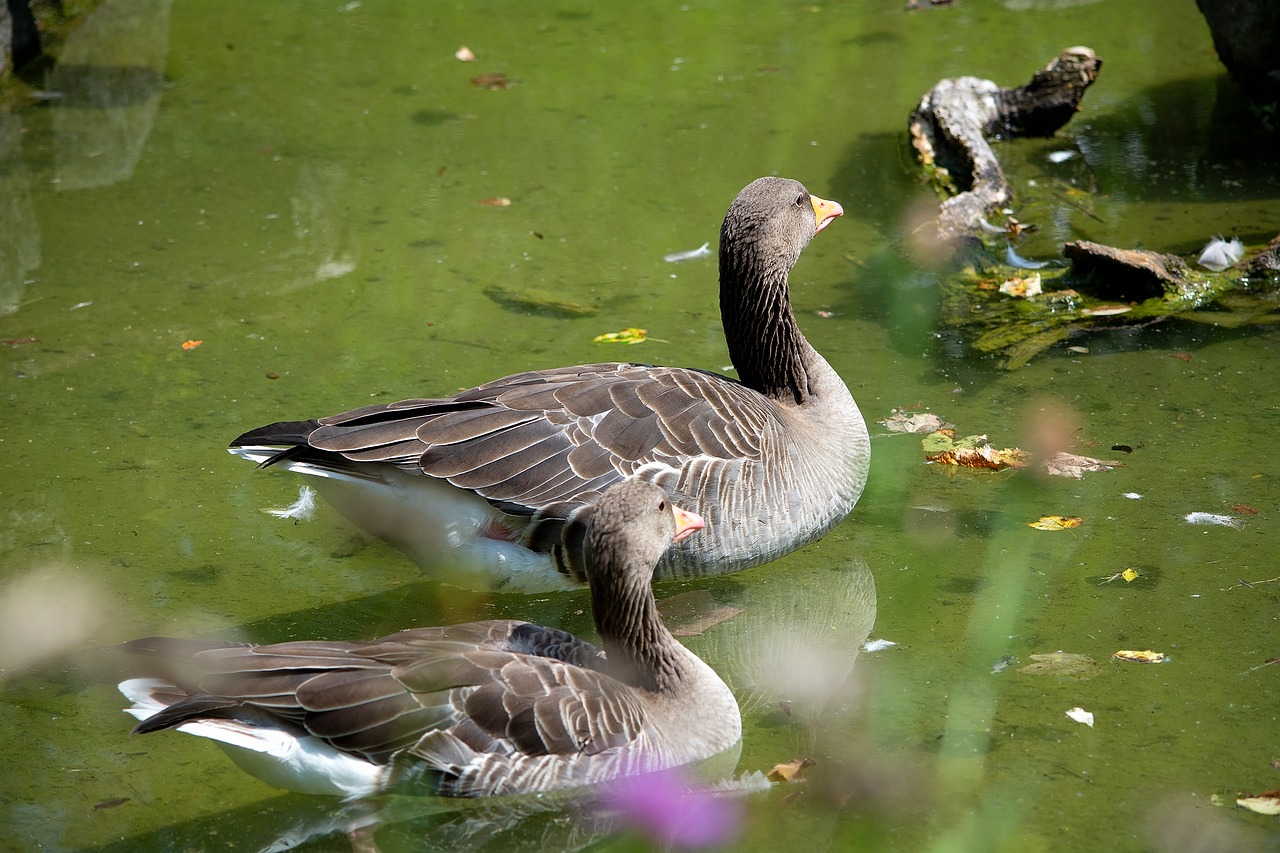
(110, 77)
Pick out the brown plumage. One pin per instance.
(475, 709)
(773, 461)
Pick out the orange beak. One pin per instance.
(824, 211)
(686, 522)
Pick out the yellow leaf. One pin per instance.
(1055, 522)
(190, 345)
(1146, 656)
(1130, 575)
(790, 771)
(626, 336)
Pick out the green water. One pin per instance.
(297, 185)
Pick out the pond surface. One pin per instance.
(301, 188)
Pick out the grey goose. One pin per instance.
(487, 479)
(477, 709)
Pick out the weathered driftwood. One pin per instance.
(1125, 275)
(950, 127)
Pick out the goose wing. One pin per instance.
(542, 442)
(505, 687)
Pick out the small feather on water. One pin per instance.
(1211, 518)
(1220, 254)
(1014, 260)
(691, 255)
(300, 510)
(1060, 156)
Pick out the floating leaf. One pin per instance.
(1106, 310)
(1063, 464)
(1245, 508)
(1080, 715)
(17, 342)
(1268, 802)
(1055, 522)
(626, 336)
(1024, 287)
(1066, 664)
(190, 345)
(499, 201)
(491, 81)
(1145, 656)
(791, 771)
(920, 422)
(973, 451)
(1130, 575)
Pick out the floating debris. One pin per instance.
(1060, 663)
(1145, 656)
(1023, 287)
(1003, 664)
(877, 645)
(190, 345)
(464, 54)
(703, 251)
(300, 510)
(1013, 259)
(1080, 715)
(1133, 496)
(1268, 802)
(1060, 156)
(1055, 522)
(1220, 254)
(790, 771)
(918, 422)
(626, 336)
(1214, 519)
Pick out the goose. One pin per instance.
(488, 479)
(477, 709)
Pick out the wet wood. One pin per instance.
(953, 121)
(1124, 275)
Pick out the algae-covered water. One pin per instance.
(309, 191)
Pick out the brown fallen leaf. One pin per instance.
(190, 345)
(492, 81)
(1181, 356)
(1245, 508)
(17, 342)
(790, 771)
(1056, 522)
(1068, 664)
(981, 457)
(973, 451)
(1268, 802)
(1062, 464)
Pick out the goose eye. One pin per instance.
(800, 200)
(662, 506)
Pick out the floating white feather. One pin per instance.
(1220, 254)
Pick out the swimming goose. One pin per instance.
(478, 709)
(772, 460)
